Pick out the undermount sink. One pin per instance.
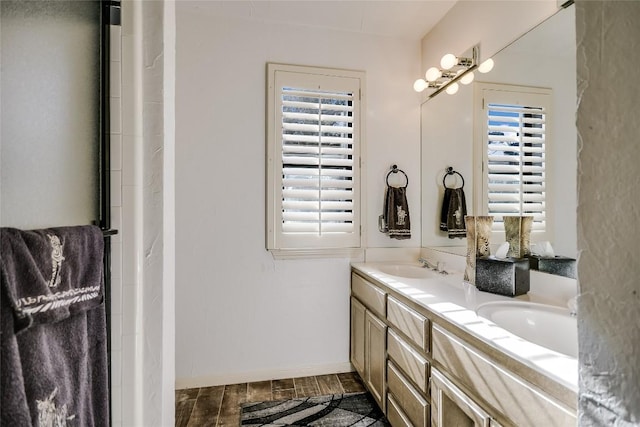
(548, 326)
(405, 270)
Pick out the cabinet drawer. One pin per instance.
(409, 360)
(410, 322)
(451, 406)
(409, 399)
(395, 415)
(373, 297)
(523, 404)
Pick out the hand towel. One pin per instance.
(396, 212)
(54, 363)
(456, 211)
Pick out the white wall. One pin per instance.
(447, 130)
(240, 315)
(608, 211)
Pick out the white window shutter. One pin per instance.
(316, 175)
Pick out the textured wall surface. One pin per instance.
(608, 208)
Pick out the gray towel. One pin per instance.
(54, 358)
(396, 213)
(53, 273)
(456, 211)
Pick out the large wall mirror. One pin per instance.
(544, 57)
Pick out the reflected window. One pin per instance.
(513, 130)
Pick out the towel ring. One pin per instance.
(450, 171)
(394, 169)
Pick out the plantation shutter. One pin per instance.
(317, 157)
(515, 135)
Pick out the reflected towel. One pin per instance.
(444, 211)
(456, 209)
(396, 213)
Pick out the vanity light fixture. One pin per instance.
(454, 70)
(420, 85)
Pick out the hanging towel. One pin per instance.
(54, 364)
(396, 213)
(455, 206)
(51, 274)
(444, 211)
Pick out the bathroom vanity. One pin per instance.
(429, 358)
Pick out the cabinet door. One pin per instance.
(357, 336)
(450, 406)
(375, 358)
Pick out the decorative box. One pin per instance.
(560, 265)
(508, 276)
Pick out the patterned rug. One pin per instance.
(336, 410)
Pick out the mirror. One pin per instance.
(543, 57)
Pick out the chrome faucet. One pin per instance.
(439, 267)
(426, 264)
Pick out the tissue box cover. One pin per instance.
(560, 265)
(508, 276)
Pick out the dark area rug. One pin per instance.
(335, 410)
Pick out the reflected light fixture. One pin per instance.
(467, 78)
(433, 74)
(486, 66)
(450, 60)
(452, 89)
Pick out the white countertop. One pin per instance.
(448, 297)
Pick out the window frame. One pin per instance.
(287, 245)
(518, 95)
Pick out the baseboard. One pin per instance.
(275, 374)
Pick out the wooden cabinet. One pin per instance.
(358, 312)
(394, 346)
(410, 404)
(508, 394)
(450, 406)
(412, 324)
(368, 351)
(412, 363)
(375, 356)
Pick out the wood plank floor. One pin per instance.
(220, 405)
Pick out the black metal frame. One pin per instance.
(109, 15)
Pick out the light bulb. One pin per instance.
(433, 74)
(486, 66)
(448, 61)
(420, 85)
(452, 89)
(467, 78)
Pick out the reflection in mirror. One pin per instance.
(545, 58)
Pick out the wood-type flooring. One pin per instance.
(220, 405)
